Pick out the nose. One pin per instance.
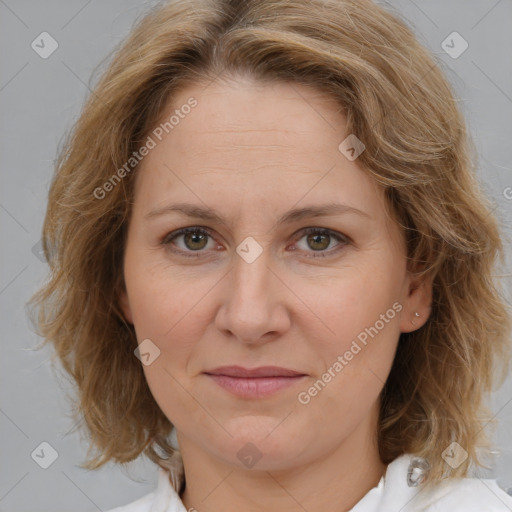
(253, 309)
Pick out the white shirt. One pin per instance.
(392, 494)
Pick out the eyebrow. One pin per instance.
(297, 214)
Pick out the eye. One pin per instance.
(195, 239)
(319, 239)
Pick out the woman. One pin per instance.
(271, 264)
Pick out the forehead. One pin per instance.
(269, 143)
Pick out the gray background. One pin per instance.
(39, 101)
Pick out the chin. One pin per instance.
(262, 444)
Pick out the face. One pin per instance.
(323, 297)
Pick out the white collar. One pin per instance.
(392, 493)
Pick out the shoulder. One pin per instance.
(143, 504)
(163, 499)
(453, 495)
(467, 495)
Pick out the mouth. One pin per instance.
(255, 382)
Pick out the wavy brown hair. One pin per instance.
(396, 100)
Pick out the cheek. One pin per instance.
(158, 297)
(170, 391)
(358, 305)
(363, 315)
(169, 307)
(167, 314)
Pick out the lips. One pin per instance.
(260, 372)
(256, 382)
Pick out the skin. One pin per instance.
(253, 151)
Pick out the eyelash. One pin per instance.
(306, 231)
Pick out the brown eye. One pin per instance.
(319, 239)
(318, 242)
(194, 241)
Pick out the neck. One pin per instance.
(354, 466)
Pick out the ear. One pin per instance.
(125, 305)
(418, 300)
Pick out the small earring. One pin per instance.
(416, 314)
